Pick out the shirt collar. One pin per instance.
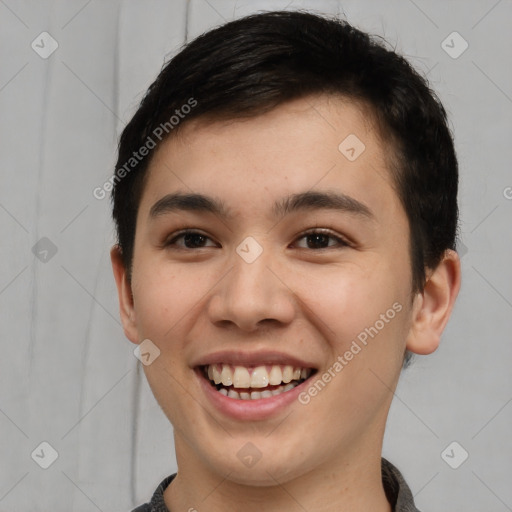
(396, 488)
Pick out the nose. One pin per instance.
(253, 294)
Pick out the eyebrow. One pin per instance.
(304, 201)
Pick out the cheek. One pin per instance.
(362, 315)
(345, 301)
(161, 297)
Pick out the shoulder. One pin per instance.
(396, 488)
(157, 503)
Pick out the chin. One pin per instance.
(248, 465)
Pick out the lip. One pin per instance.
(252, 359)
(249, 410)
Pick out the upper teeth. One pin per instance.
(255, 377)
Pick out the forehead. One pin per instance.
(319, 142)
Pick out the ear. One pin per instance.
(124, 292)
(432, 307)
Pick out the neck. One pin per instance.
(345, 484)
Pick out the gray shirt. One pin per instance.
(397, 492)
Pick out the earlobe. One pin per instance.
(433, 306)
(124, 293)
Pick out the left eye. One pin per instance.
(321, 240)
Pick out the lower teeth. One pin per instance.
(255, 395)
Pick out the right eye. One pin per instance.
(190, 240)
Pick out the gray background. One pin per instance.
(67, 374)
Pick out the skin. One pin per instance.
(296, 297)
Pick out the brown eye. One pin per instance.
(189, 240)
(322, 240)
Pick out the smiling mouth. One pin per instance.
(254, 383)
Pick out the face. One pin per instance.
(294, 265)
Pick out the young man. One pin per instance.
(286, 205)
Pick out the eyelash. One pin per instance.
(340, 241)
